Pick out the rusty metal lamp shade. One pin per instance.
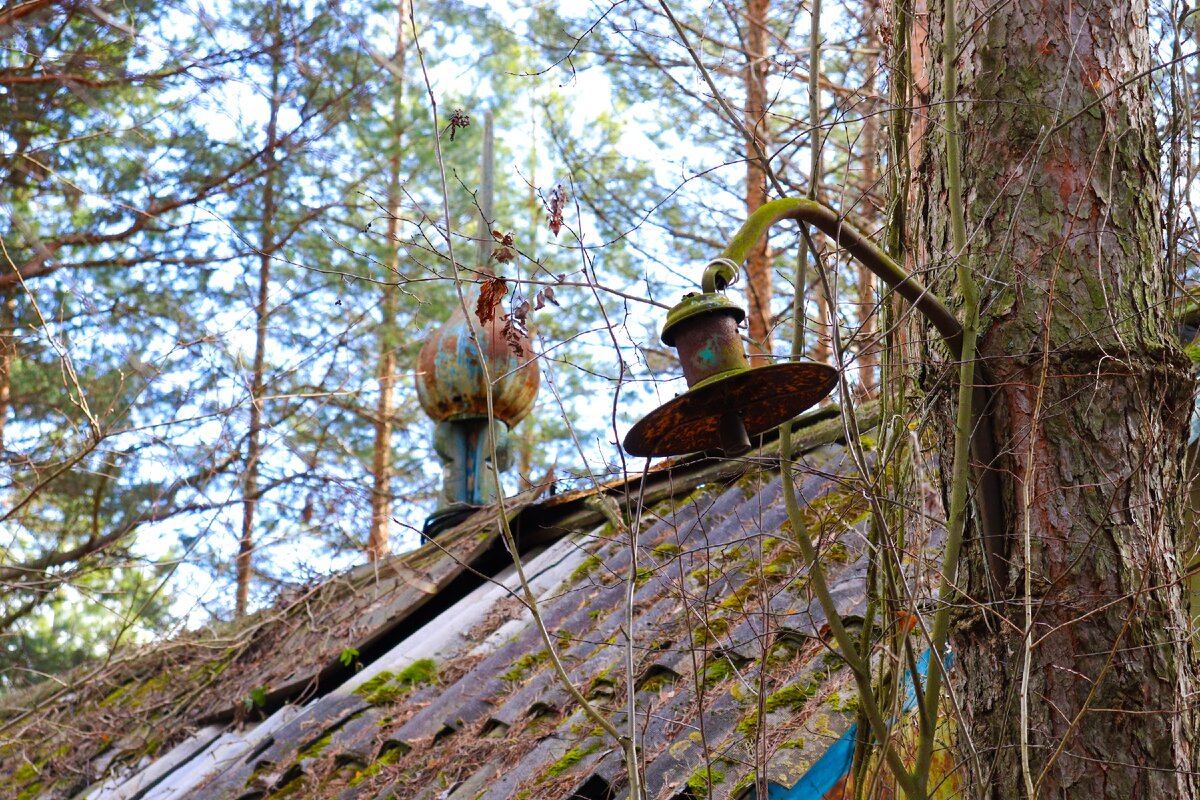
(451, 382)
(727, 401)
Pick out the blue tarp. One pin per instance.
(835, 764)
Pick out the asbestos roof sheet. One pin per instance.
(459, 698)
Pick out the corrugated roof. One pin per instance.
(459, 699)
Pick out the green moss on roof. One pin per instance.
(718, 671)
(748, 727)
(839, 703)
(423, 670)
(666, 550)
(585, 567)
(833, 511)
(388, 686)
(316, 748)
(658, 681)
(385, 759)
(521, 668)
(706, 634)
(571, 758)
(603, 681)
(794, 696)
(702, 779)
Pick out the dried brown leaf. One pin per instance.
(491, 295)
(554, 208)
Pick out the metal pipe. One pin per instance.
(989, 497)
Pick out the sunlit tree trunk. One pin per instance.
(868, 355)
(8, 352)
(1061, 188)
(385, 371)
(262, 311)
(758, 262)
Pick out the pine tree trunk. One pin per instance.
(385, 372)
(868, 355)
(758, 262)
(262, 310)
(8, 353)
(1061, 188)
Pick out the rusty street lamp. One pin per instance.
(728, 401)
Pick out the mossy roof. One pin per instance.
(449, 691)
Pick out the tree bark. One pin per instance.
(758, 262)
(378, 544)
(1061, 189)
(868, 355)
(8, 353)
(262, 311)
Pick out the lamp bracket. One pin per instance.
(720, 273)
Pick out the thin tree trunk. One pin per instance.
(821, 351)
(1061, 194)
(8, 352)
(868, 355)
(527, 434)
(758, 262)
(266, 249)
(385, 372)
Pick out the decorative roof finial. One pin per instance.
(453, 383)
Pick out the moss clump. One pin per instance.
(746, 782)
(114, 696)
(716, 628)
(524, 665)
(385, 759)
(657, 681)
(570, 759)
(703, 779)
(749, 726)
(28, 771)
(601, 685)
(731, 554)
(718, 671)
(388, 686)
(793, 697)
(585, 567)
(839, 703)
(705, 575)
(834, 511)
(316, 748)
(421, 671)
(666, 550)
(289, 789)
(368, 689)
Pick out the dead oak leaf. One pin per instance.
(491, 295)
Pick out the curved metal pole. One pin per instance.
(832, 225)
(989, 498)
